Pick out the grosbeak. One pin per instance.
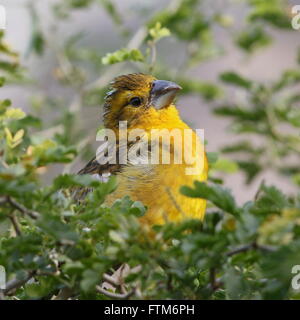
(146, 103)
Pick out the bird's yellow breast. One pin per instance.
(157, 185)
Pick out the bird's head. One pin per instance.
(136, 95)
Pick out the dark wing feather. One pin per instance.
(100, 171)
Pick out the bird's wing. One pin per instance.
(95, 168)
(100, 167)
(99, 171)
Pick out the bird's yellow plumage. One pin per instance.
(147, 104)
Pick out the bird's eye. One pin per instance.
(136, 101)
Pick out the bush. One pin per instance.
(52, 247)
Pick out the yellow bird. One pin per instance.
(146, 104)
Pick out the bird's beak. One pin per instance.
(163, 93)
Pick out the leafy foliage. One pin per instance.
(123, 55)
(53, 247)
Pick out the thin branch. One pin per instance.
(122, 276)
(32, 214)
(113, 295)
(152, 46)
(259, 190)
(250, 246)
(241, 249)
(215, 283)
(111, 280)
(117, 278)
(212, 279)
(64, 294)
(15, 224)
(266, 248)
(17, 283)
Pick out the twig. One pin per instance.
(214, 282)
(17, 283)
(64, 294)
(251, 246)
(266, 248)
(32, 214)
(259, 190)
(152, 45)
(241, 249)
(212, 279)
(115, 295)
(111, 280)
(15, 224)
(117, 278)
(121, 278)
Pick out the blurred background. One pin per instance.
(231, 57)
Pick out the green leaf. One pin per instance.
(70, 180)
(241, 113)
(220, 197)
(270, 200)
(158, 32)
(277, 266)
(273, 12)
(252, 39)
(235, 79)
(123, 55)
(243, 146)
(212, 157)
(225, 165)
(3, 106)
(12, 113)
(138, 209)
(90, 279)
(37, 42)
(289, 78)
(234, 283)
(112, 11)
(2, 81)
(56, 228)
(49, 151)
(251, 168)
(296, 179)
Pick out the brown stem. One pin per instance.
(111, 280)
(17, 283)
(250, 246)
(113, 295)
(15, 224)
(32, 214)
